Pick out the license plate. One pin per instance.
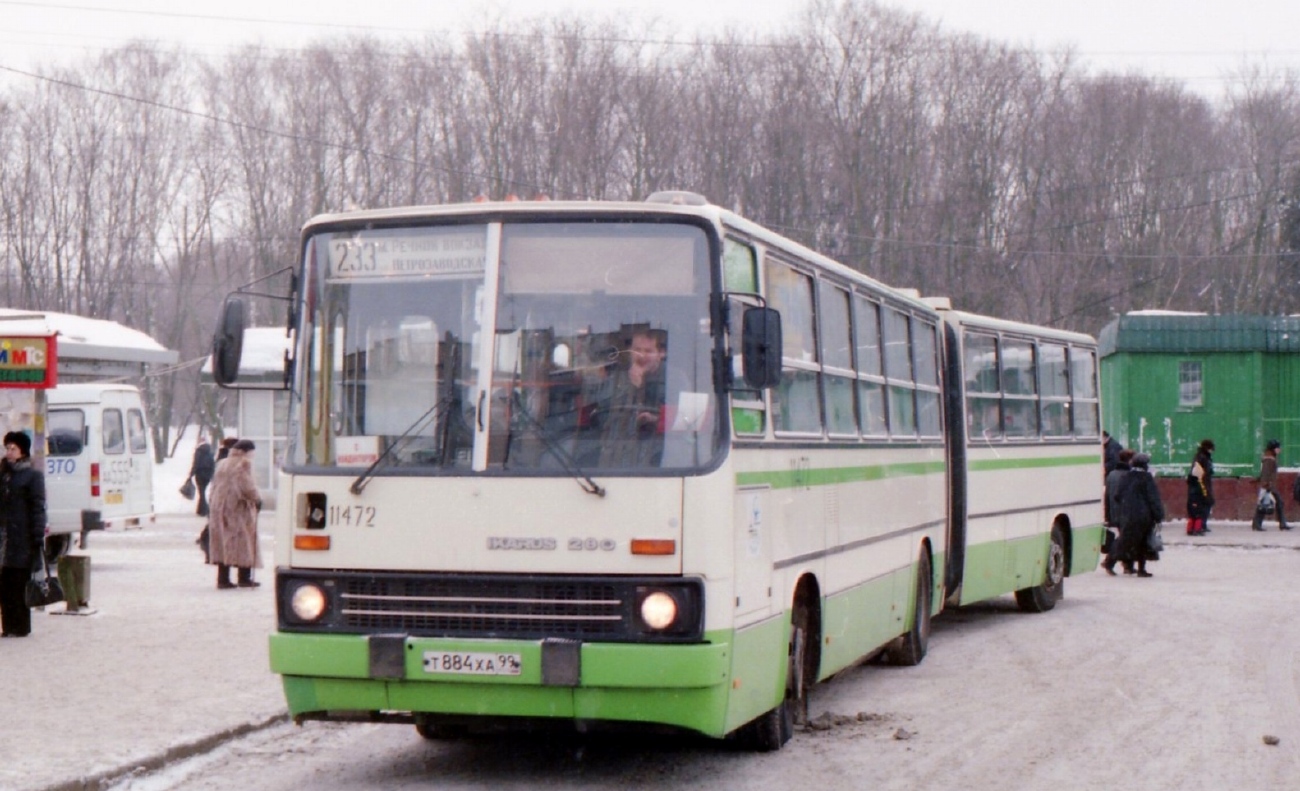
(473, 663)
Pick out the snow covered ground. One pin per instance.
(164, 665)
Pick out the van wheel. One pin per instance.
(910, 649)
(56, 546)
(1044, 597)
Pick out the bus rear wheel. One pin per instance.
(1041, 598)
(910, 649)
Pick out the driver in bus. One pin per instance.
(631, 413)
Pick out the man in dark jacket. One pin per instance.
(22, 532)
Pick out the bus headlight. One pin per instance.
(659, 610)
(307, 603)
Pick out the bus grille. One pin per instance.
(486, 607)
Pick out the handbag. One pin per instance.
(40, 592)
(1265, 502)
(187, 489)
(1107, 541)
(205, 543)
(1155, 542)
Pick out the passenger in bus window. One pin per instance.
(631, 409)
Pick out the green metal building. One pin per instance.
(1170, 380)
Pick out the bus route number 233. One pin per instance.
(353, 515)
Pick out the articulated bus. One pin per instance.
(645, 464)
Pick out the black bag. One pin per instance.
(1107, 541)
(204, 541)
(40, 592)
(187, 489)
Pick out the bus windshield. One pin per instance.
(599, 361)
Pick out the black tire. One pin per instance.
(1044, 597)
(772, 730)
(910, 649)
(436, 732)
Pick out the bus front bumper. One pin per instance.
(345, 676)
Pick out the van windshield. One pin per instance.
(66, 432)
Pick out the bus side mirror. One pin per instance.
(761, 346)
(228, 342)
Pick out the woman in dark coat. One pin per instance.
(1122, 465)
(22, 532)
(201, 469)
(1200, 490)
(1140, 510)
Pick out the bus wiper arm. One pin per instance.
(557, 450)
(359, 485)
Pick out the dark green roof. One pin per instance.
(1186, 334)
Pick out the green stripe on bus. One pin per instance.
(787, 479)
(986, 465)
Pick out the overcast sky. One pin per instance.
(1201, 43)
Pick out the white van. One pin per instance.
(98, 466)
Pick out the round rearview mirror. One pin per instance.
(228, 342)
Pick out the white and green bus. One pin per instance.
(648, 464)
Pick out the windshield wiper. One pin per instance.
(359, 485)
(557, 450)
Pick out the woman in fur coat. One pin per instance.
(234, 503)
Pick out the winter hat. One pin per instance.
(1272, 445)
(1141, 460)
(20, 439)
(244, 445)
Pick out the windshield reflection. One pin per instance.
(600, 358)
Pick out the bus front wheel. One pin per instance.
(772, 730)
(1044, 597)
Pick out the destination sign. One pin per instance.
(449, 254)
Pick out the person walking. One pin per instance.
(1200, 490)
(22, 532)
(1110, 451)
(232, 523)
(201, 469)
(1140, 511)
(1111, 511)
(1268, 484)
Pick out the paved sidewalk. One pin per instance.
(166, 666)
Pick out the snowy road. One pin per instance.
(1171, 682)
